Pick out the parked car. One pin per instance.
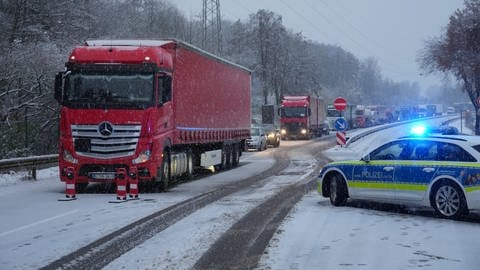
(441, 171)
(258, 139)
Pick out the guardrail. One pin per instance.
(28, 163)
(373, 130)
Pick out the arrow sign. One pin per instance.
(340, 124)
(340, 104)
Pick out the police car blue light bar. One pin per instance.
(418, 130)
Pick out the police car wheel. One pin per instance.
(338, 193)
(449, 201)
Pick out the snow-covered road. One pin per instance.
(37, 229)
(317, 235)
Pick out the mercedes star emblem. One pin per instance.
(105, 129)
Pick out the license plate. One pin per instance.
(102, 175)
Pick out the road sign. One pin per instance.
(340, 104)
(340, 124)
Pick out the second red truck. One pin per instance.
(302, 117)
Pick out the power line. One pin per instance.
(344, 19)
(391, 67)
(313, 25)
(396, 69)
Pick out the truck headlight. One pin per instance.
(68, 157)
(283, 131)
(303, 131)
(142, 157)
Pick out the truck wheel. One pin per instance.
(189, 173)
(228, 156)
(80, 187)
(164, 172)
(236, 155)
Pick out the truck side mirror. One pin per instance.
(58, 87)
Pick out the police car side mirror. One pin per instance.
(366, 158)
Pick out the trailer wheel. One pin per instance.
(189, 173)
(228, 156)
(164, 173)
(235, 155)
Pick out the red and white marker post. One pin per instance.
(133, 183)
(121, 180)
(341, 137)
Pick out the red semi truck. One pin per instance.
(302, 117)
(155, 109)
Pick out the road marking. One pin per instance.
(38, 223)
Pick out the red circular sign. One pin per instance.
(340, 104)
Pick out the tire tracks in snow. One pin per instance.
(242, 246)
(106, 249)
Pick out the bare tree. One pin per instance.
(457, 52)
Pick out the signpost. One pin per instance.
(340, 104)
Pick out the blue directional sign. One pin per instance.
(341, 124)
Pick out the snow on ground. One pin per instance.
(37, 229)
(182, 244)
(317, 235)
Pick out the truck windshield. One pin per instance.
(124, 90)
(292, 112)
(334, 113)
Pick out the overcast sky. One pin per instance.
(392, 31)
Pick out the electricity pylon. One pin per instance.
(212, 36)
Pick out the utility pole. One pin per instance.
(212, 37)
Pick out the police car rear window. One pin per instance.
(477, 147)
(452, 152)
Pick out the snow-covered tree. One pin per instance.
(457, 52)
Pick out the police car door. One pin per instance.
(374, 178)
(413, 176)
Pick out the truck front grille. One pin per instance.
(105, 141)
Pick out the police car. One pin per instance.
(441, 171)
